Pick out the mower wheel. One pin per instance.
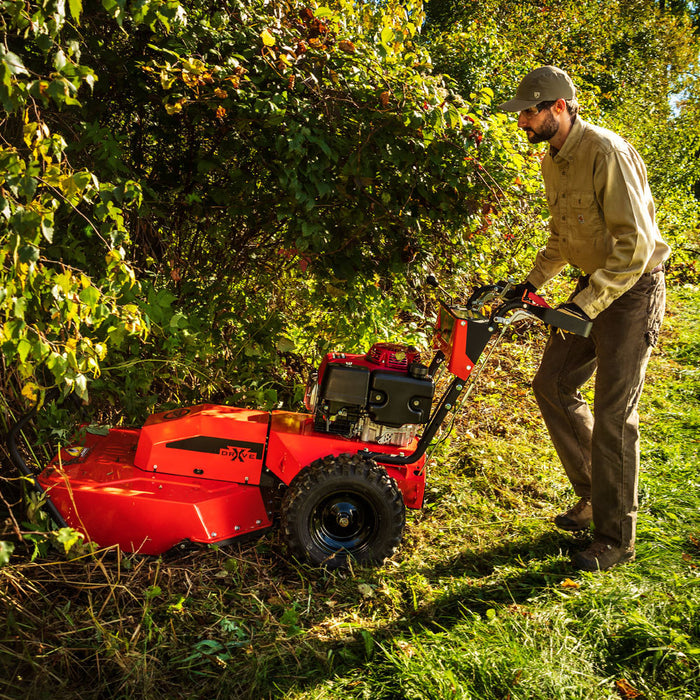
(342, 509)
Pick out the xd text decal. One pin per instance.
(235, 450)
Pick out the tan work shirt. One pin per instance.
(602, 216)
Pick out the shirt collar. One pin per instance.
(572, 141)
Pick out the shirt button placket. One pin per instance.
(565, 187)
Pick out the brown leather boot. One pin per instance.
(600, 556)
(577, 518)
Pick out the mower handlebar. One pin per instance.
(529, 304)
(462, 334)
(549, 316)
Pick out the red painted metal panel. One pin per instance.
(451, 338)
(207, 441)
(294, 445)
(102, 494)
(114, 487)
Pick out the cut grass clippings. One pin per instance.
(480, 602)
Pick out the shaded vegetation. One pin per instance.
(200, 199)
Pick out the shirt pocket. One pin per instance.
(585, 218)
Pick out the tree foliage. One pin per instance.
(64, 281)
(635, 64)
(250, 160)
(197, 198)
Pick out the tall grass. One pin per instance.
(480, 602)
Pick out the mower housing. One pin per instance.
(205, 473)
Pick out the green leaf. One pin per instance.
(76, 9)
(178, 320)
(20, 307)
(90, 296)
(13, 62)
(14, 329)
(57, 365)
(47, 229)
(24, 347)
(116, 9)
(68, 537)
(6, 549)
(28, 254)
(80, 385)
(285, 345)
(59, 60)
(152, 592)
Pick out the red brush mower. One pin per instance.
(339, 476)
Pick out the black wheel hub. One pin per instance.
(343, 522)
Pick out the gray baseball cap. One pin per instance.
(540, 85)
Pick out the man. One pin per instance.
(603, 223)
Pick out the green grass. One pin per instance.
(480, 602)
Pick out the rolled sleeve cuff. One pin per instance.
(590, 305)
(536, 279)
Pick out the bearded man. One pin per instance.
(603, 224)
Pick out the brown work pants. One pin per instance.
(600, 450)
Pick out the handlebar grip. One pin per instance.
(567, 322)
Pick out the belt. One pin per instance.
(657, 269)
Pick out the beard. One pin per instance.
(545, 131)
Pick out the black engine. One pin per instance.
(380, 397)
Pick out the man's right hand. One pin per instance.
(519, 290)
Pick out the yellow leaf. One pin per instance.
(166, 79)
(174, 107)
(113, 257)
(53, 175)
(568, 583)
(194, 66)
(366, 590)
(30, 132)
(267, 38)
(29, 391)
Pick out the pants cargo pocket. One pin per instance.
(655, 311)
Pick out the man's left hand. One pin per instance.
(573, 310)
(576, 312)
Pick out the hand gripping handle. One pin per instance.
(561, 319)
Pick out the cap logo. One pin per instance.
(537, 95)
